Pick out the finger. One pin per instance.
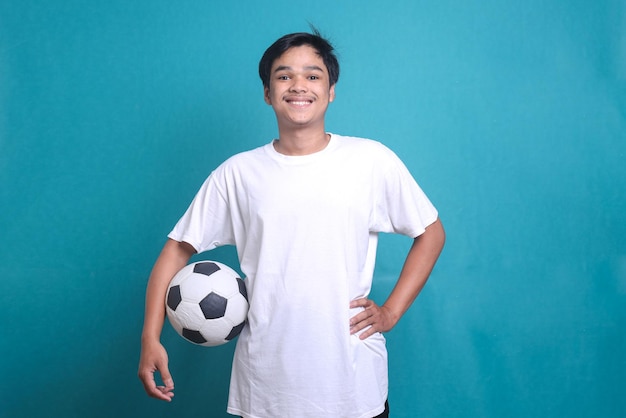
(149, 385)
(159, 392)
(166, 392)
(167, 377)
(360, 317)
(360, 303)
(367, 333)
(361, 323)
(168, 388)
(367, 327)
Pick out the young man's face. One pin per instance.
(299, 90)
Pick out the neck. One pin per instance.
(301, 141)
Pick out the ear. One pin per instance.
(266, 95)
(331, 94)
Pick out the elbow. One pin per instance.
(435, 235)
(440, 233)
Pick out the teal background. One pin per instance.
(511, 115)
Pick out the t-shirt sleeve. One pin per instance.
(401, 206)
(207, 222)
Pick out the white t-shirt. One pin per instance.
(306, 230)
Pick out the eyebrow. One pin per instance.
(307, 68)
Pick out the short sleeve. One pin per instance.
(400, 204)
(207, 223)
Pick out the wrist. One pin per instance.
(392, 316)
(150, 337)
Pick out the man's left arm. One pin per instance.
(417, 268)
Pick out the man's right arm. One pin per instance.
(174, 256)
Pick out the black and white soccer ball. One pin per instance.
(207, 303)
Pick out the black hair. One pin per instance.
(323, 47)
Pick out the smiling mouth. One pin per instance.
(299, 102)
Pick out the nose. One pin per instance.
(298, 85)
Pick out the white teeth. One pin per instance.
(300, 103)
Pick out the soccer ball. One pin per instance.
(207, 303)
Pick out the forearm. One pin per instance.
(174, 256)
(417, 268)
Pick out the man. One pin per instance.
(304, 213)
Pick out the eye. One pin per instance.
(313, 77)
(283, 77)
